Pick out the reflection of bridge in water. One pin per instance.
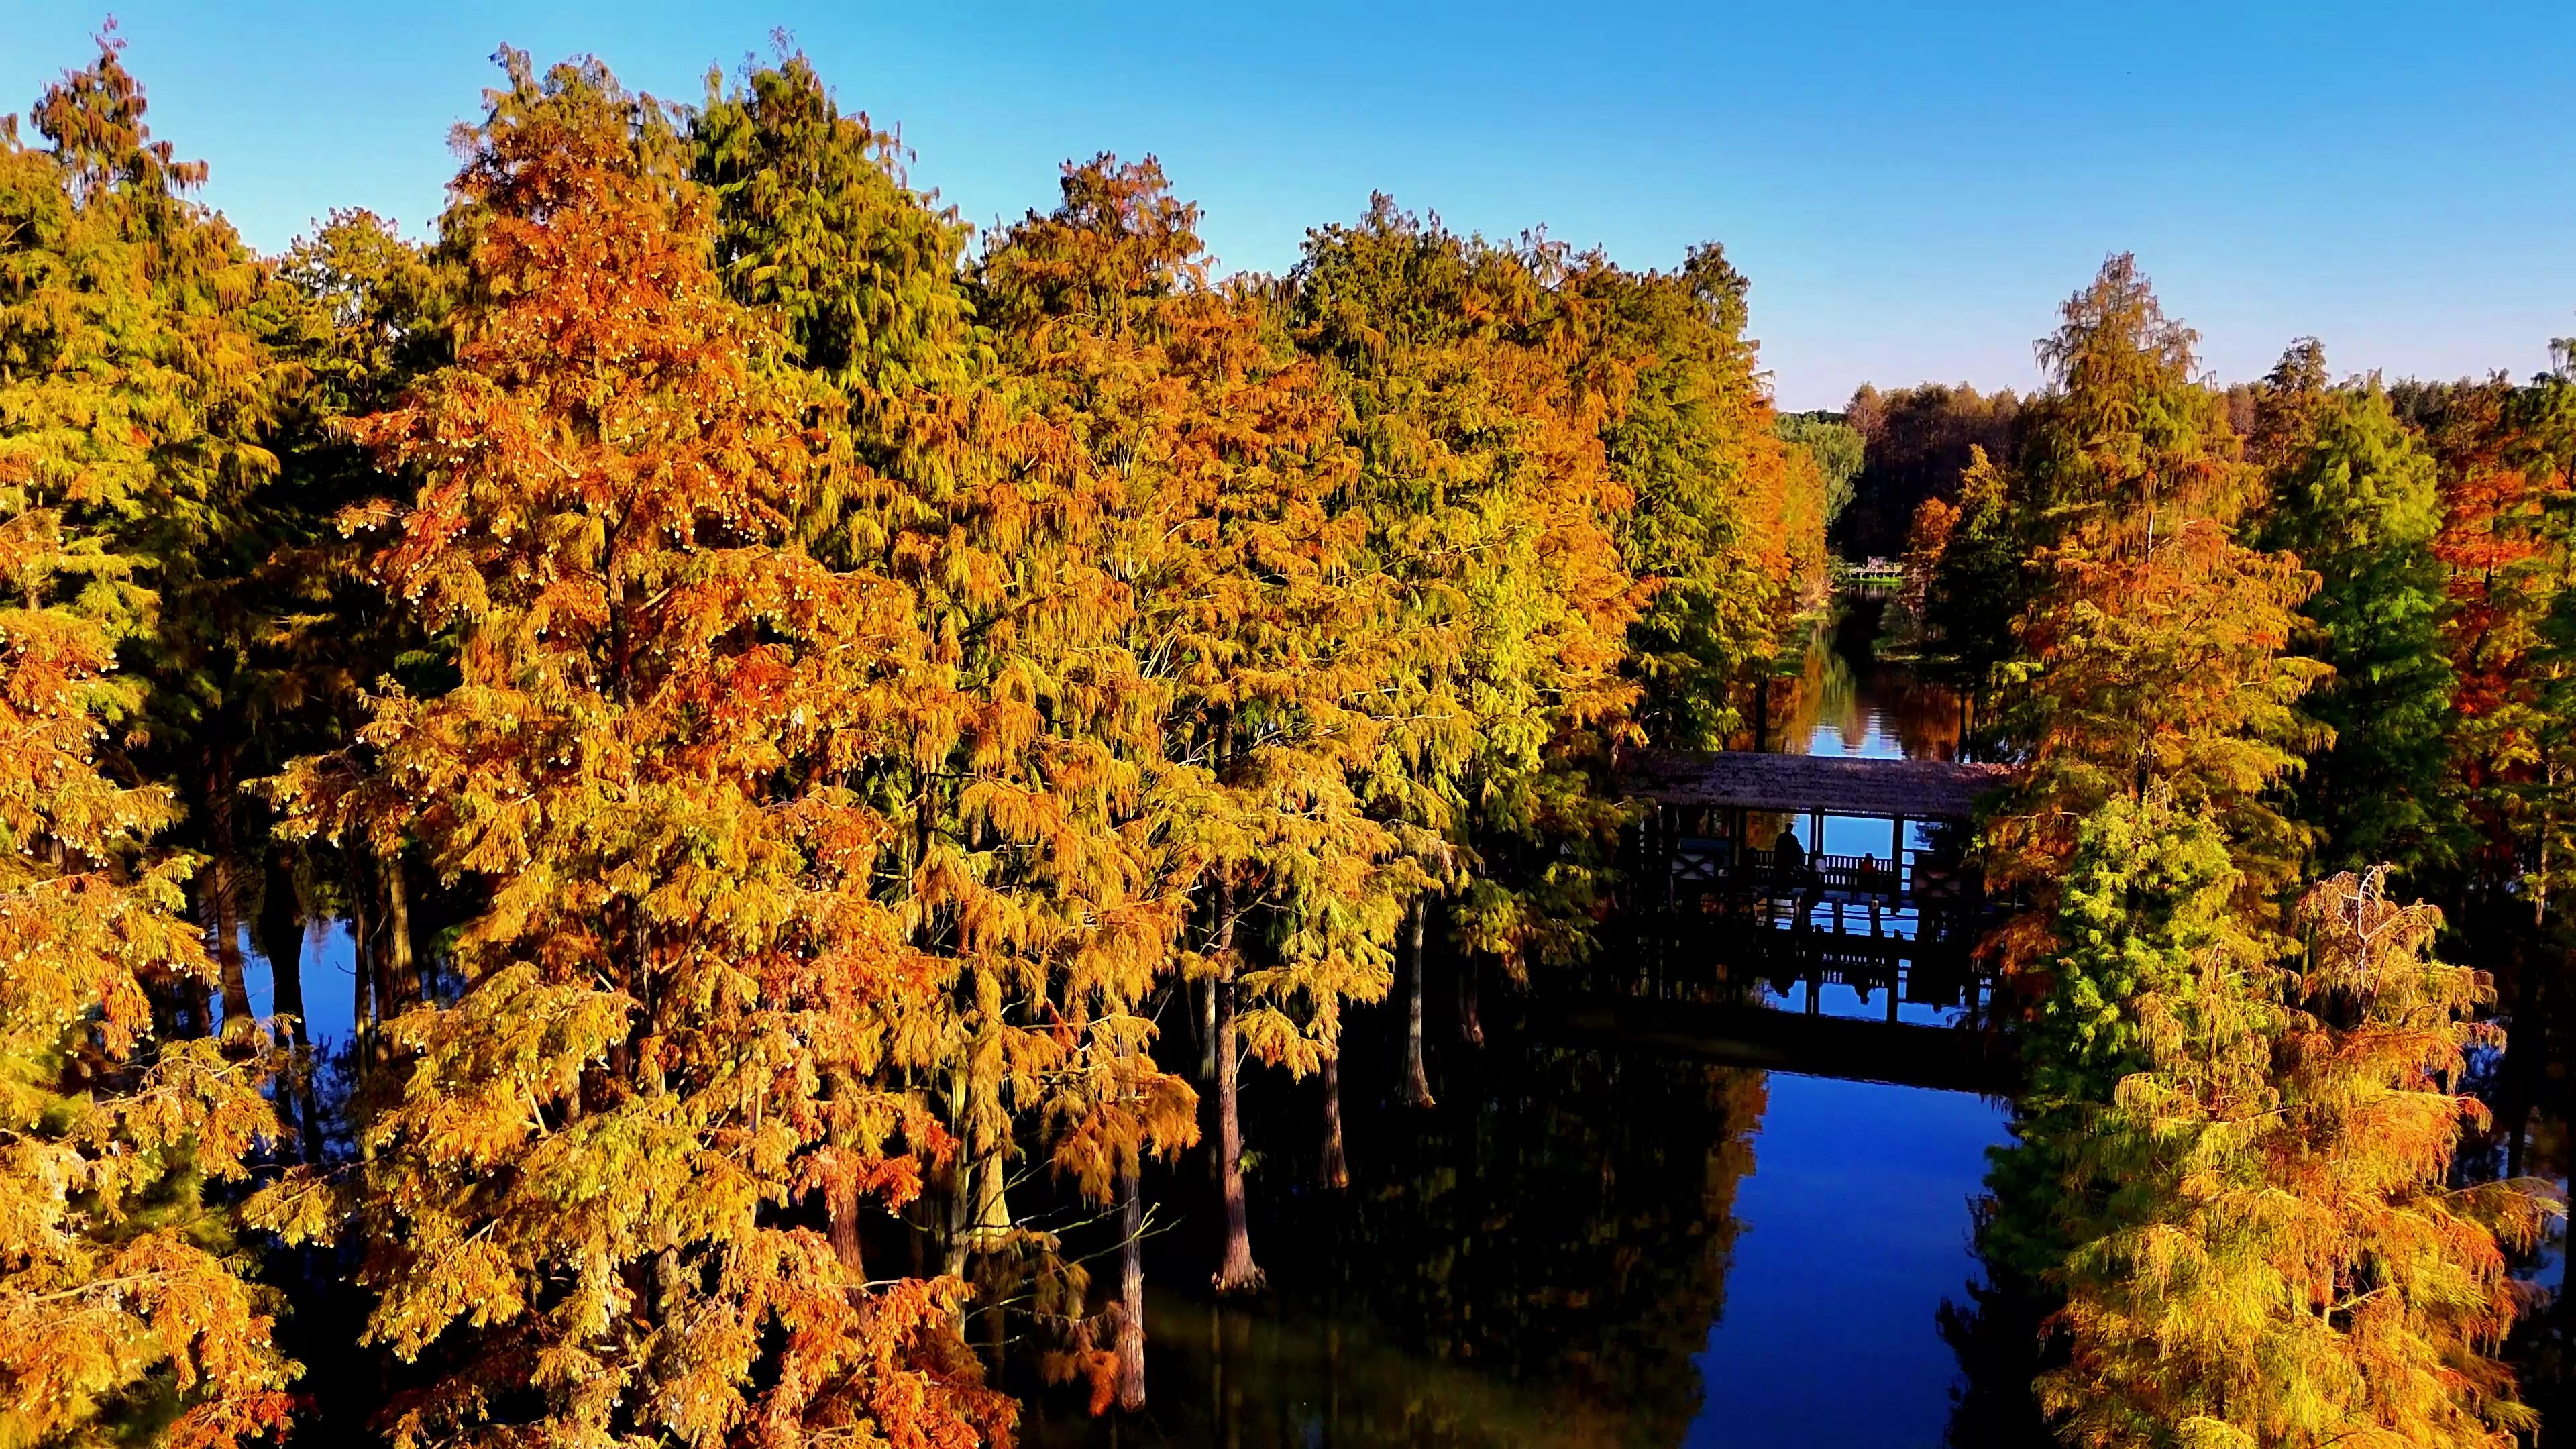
(1710, 917)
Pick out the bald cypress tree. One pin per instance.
(1476, 399)
(2283, 1259)
(2353, 497)
(1030, 872)
(2155, 653)
(1252, 612)
(141, 398)
(602, 1191)
(127, 1311)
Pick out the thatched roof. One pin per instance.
(1798, 784)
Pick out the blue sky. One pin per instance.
(1912, 188)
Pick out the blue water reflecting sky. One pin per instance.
(1855, 1227)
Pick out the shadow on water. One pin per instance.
(1534, 1261)
(1595, 1238)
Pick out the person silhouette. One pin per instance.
(1790, 855)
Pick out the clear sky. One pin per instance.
(1912, 187)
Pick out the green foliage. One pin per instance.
(1837, 449)
(2354, 499)
(2148, 899)
(1490, 508)
(2285, 1261)
(1725, 523)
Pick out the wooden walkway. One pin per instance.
(1940, 790)
(1712, 921)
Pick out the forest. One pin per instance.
(842, 747)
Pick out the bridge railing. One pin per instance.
(1915, 875)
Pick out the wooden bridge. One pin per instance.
(1698, 844)
(1710, 919)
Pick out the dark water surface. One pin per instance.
(1588, 1243)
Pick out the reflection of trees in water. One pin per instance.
(1569, 1221)
(1997, 1327)
(1841, 682)
(1534, 1261)
(1825, 692)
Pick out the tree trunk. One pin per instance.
(979, 1212)
(843, 1204)
(1131, 1292)
(400, 983)
(189, 992)
(362, 961)
(1236, 1273)
(992, 1202)
(1207, 1032)
(1337, 1168)
(960, 1190)
(1471, 1026)
(280, 930)
(2540, 875)
(223, 884)
(1416, 1091)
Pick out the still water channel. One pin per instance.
(1594, 1244)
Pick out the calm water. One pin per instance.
(1581, 1245)
(1590, 1244)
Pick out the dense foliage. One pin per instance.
(2219, 658)
(785, 696)
(835, 739)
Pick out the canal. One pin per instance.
(1590, 1243)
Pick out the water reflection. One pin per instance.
(1536, 1261)
(1588, 1244)
(1854, 1225)
(1846, 700)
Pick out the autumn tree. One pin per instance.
(1029, 874)
(127, 1314)
(1473, 405)
(2154, 653)
(603, 1193)
(1249, 611)
(2353, 498)
(139, 396)
(1837, 449)
(1716, 527)
(2237, 1175)
(2286, 1261)
(1916, 445)
(1968, 570)
(2503, 491)
(364, 320)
